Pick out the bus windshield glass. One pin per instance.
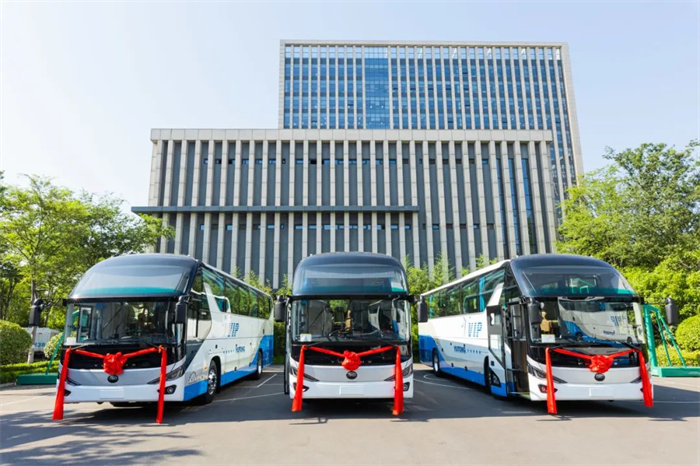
(108, 280)
(332, 320)
(569, 281)
(590, 320)
(342, 279)
(118, 322)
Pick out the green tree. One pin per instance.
(642, 215)
(52, 235)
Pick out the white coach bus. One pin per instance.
(348, 329)
(215, 329)
(500, 326)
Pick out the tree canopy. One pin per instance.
(642, 215)
(50, 235)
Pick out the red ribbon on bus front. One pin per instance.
(599, 363)
(351, 361)
(113, 365)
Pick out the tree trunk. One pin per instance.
(30, 356)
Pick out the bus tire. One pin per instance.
(258, 367)
(487, 376)
(436, 364)
(212, 383)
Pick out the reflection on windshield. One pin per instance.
(565, 280)
(591, 320)
(338, 319)
(121, 322)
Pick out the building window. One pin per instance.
(201, 227)
(298, 226)
(229, 227)
(394, 226)
(205, 161)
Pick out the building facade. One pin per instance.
(399, 173)
(444, 86)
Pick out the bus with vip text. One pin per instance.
(543, 327)
(213, 328)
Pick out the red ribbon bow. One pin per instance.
(599, 363)
(351, 361)
(113, 365)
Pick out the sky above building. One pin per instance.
(84, 83)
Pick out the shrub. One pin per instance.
(692, 358)
(14, 343)
(10, 372)
(279, 339)
(51, 345)
(688, 334)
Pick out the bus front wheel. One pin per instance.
(258, 367)
(212, 383)
(436, 364)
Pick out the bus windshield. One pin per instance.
(109, 279)
(119, 321)
(590, 320)
(350, 319)
(568, 280)
(343, 279)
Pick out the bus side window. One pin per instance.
(231, 293)
(263, 307)
(253, 304)
(470, 293)
(214, 288)
(487, 285)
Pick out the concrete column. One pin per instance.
(463, 96)
(548, 194)
(263, 247)
(455, 207)
(372, 172)
(168, 173)
(237, 174)
(468, 202)
(513, 59)
(251, 172)
(220, 239)
(210, 171)
(488, 58)
(520, 182)
(413, 161)
(471, 91)
(481, 192)
(440, 172)
(235, 238)
(387, 176)
(496, 192)
(428, 207)
(522, 86)
(305, 174)
(537, 203)
(248, 244)
(155, 172)
(374, 232)
(507, 192)
(276, 250)
(334, 201)
(263, 175)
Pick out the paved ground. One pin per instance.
(448, 422)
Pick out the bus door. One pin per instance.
(496, 333)
(516, 340)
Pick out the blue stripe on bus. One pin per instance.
(194, 390)
(426, 345)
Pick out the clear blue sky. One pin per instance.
(83, 84)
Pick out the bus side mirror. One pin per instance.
(533, 313)
(672, 317)
(422, 310)
(181, 310)
(280, 309)
(35, 312)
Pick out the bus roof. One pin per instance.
(523, 262)
(349, 273)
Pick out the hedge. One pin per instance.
(692, 358)
(14, 343)
(688, 334)
(10, 372)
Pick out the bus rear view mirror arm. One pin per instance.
(181, 310)
(422, 310)
(280, 309)
(671, 312)
(533, 313)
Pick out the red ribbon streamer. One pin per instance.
(599, 363)
(113, 365)
(351, 361)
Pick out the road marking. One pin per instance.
(442, 385)
(247, 397)
(20, 401)
(266, 381)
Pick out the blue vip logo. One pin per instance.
(474, 328)
(233, 329)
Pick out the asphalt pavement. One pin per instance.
(447, 422)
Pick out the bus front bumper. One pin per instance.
(383, 389)
(588, 392)
(174, 391)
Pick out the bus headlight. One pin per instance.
(408, 370)
(293, 371)
(171, 375)
(541, 375)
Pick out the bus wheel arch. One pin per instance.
(213, 381)
(487, 375)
